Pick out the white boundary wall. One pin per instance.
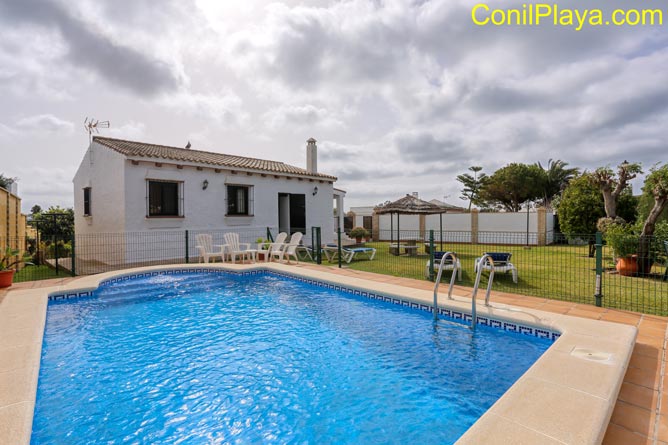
(483, 228)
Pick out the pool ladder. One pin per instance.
(483, 259)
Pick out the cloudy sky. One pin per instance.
(401, 95)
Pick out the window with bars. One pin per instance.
(239, 200)
(87, 201)
(164, 198)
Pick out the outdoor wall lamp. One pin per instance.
(205, 184)
(315, 191)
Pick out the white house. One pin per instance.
(126, 186)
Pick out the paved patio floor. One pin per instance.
(641, 413)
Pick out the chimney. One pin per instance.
(311, 156)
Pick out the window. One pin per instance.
(165, 198)
(239, 200)
(86, 209)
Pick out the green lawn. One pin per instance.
(32, 273)
(560, 272)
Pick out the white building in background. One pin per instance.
(126, 186)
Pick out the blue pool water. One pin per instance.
(222, 358)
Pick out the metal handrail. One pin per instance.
(474, 316)
(438, 280)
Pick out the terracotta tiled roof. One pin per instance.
(144, 150)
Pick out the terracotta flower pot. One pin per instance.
(627, 266)
(6, 277)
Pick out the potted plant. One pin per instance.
(358, 233)
(263, 244)
(7, 262)
(625, 246)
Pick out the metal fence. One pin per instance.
(576, 269)
(580, 269)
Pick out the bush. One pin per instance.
(64, 249)
(359, 232)
(621, 238)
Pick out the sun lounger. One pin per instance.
(456, 267)
(501, 263)
(348, 253)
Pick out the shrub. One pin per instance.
(622, 239)
(359, 232)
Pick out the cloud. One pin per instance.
(307, 115)
(88, 48)
(402, 95)
(131, 130)
(224, 107)
(45, 123)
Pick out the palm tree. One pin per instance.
(556, 178)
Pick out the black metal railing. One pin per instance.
(583, 269)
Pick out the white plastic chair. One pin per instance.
(289, 249)
(279, 243)
(208, 250)
(235, 248)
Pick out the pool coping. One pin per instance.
(566, 397)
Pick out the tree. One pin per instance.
(36, 209)
(55, 221)
(472, 185)
(513, 185)
(612, 185)
(5, 181)
(556, 178)
(656, 185)
(580, 207)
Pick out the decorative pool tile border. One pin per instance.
(450, 313)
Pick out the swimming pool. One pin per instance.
(219, 357)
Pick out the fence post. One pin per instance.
(431, 255)
(55, 252)
(338, 235)
(187, 249)
(74, 257)
(318, 245)
(599, 270)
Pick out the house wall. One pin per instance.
(99, 237)
(102, 170)
(205, 209)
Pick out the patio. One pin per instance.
(641, 413)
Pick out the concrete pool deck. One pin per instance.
(587, 392)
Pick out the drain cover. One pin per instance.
(590, 354)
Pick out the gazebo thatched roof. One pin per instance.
(410, 205)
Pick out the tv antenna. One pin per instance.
(93, 126)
